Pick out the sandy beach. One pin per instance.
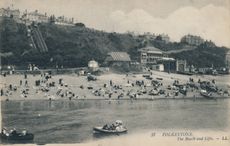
(81, 88)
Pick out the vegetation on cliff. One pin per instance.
(74, 46)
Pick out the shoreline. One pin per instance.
(125, 99)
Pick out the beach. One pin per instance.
(107, 86)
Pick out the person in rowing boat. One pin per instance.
(118, 125)
(109, 127)
(24, 132)
(106, 127)
(4, 132)
(113, 127)
(13, 132)
(119, 128)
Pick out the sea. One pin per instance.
(64, 121)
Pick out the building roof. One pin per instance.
(150, 50)
(168, 59)
(118, 56)
(36, 13)
(9, 10)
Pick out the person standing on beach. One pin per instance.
(10, 86)
(26, 83)
(2, 92)
(111, 83)
(20, 82)
(110, 95)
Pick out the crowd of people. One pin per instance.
(147, 86)
(118, 126)
(13, 132)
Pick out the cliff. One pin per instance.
(74, 46)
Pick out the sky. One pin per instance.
(208, 18)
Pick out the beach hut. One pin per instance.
(118, 60)
(93, 65)
(158, 67)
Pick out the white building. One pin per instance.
(156, 59)
(11, 13)
(192, 40)
(64, 21)
(152, 55)
(93, 65)
(35, 16)
(165, 38)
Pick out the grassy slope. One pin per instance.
(204, 56)
(75, 46)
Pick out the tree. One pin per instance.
(80, 24)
